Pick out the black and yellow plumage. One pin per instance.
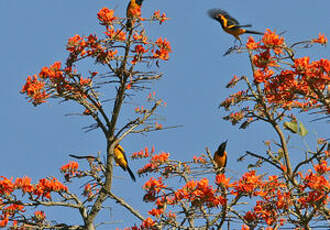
(230, 24)
(220, 156)
(121, 160)
(133, 12)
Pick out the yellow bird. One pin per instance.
(230, 24)
(133, 11)
(220, 156)
(121, 160)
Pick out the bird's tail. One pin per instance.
(253, 32)
(131, 173)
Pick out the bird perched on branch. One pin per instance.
(133, 12)
(220, 156)
(230, 24)
(121, 160)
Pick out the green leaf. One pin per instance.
(292, 126)
(302, 130)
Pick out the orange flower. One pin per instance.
(156, 212)
(247, 184)
(161, 18)
(322, 39)
(143, 154)
(35, 89)
(46, 186)
(118, 35)
(164, 49)
(140, 50)
(140, 37)
(148, 223)
(273, 41)
(85, 82)
(251, 44)
(250, 217)
(106, 16)
(154, 185)
(6, 186)
(322, 167)
(301, 64)
(200, 160)
(264, 60)
(39, 215)
(221, 179)
(262, 75)
(245, 227)
(70, 168)
(160, 158)
(24, 184)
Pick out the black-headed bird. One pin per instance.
(121, 160)
(230, 24)
(133, 12)
(220, 156)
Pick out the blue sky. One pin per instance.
(36, 141)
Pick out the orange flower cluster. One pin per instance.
(53, 77)
(39, 216)
(306, 82)
(164, 48)
(139, 50)
(118, 35)
(247, 185)
(321, 39)
(235, 117)
(148, 223)
(91, 46)
(274, 200)
(143, 153)
(140, 37)
(153, 187)
(251, 44)
(155, 162)
(199, 160)
(46, 186)
(90, 191)
(35, 89)
(9, 213)
(83, 46)
(106, 16)
(315, 187)
(70, 170)
(273, 41)
(222, 180)
(161, 18)
(8, 187)
(234, 99)
(299, 87)
(198, 193)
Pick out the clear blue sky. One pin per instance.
(36, 141)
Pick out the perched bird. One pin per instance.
(220, 156)
(133, 11)
(230, 24)
(121, 160)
